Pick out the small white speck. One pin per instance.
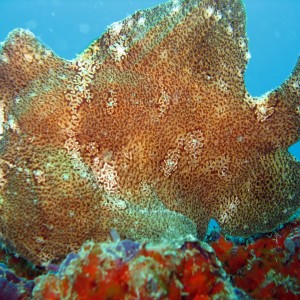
(218, 16)
(208, 12)
(71, 213)
(37, 172)
(229, 30)
(66, 176)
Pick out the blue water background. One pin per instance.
(68, 27)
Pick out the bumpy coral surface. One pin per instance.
(13, 287)
(127, 270)
(267, 268)
(264, 268)
(150, 131)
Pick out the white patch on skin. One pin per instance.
(175, 8)
(119, 50)
(4, 58)
(71, 214)
(28, 57)
(262, 110)
(66, 176)
(114, 203)
(242, 43)
(130, 22)
(208, 12)
(229, 30)
(170, 162)
(296, 84)
(141, 21)
(116, 27)
(106, 175)
(218, 16)
(12, 123)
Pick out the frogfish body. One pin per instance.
(150, 131)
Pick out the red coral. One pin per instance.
(267, 268)
(153, 273)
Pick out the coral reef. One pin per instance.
(128, 270)
(20, 266)
(264, 268)
(150, 131)
(267, 268)
(13, 287)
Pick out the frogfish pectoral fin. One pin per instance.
(279, 111)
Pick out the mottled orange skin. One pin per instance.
(150, 131)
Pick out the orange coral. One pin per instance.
(150, 131)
